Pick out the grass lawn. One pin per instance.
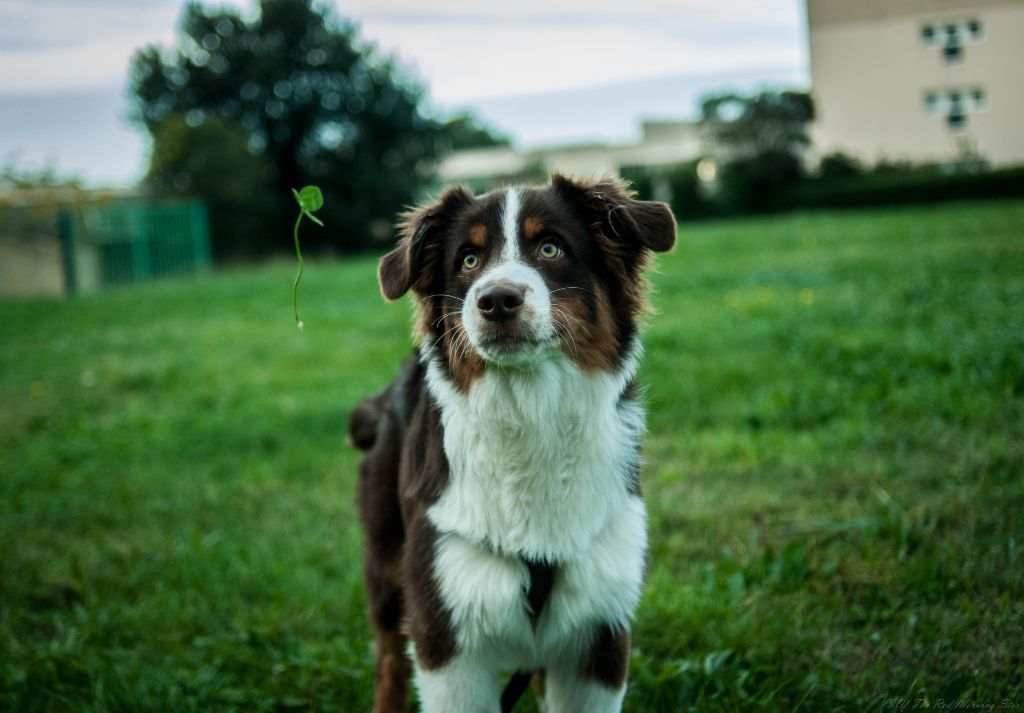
(834, 474)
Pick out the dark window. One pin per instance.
(956, 116)
(974, 29)
(951, 32)
(953, 52)
(978, 99)
(928, 34)
(931, 101)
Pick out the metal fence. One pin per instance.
(133, 241)
(54, 246)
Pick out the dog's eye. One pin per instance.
(470, 260)
(549, 250)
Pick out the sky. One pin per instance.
(542, 71)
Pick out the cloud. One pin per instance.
(463, 49)
(48, 45)
(464, 61)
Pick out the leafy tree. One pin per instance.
(466, 132)
(839, 165)
(312, 103)
(760, 140)
(213, 160)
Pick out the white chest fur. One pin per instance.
(540, 458)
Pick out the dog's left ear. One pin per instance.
(413, 264)
(620, 216)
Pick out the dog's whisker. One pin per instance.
(581, 289)
(439, 294)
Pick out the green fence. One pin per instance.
(126, 241)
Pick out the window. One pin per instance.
(974, 29)
(956, 117)
(953, 52)
(978, 99)
(928, 34)
(931, 102)
(951, 33)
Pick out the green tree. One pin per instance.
(759, 139)
(312, 102)
(212, 160)
(465, 131)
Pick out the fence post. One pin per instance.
(69, 251)
(141, 260)
(200, 236)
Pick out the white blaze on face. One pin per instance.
(510, 225)
(535, 319)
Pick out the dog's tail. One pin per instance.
(392, 403)
(363, 423)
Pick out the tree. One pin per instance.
(311, 104)
(213, 160)
(466, 132)
(759, 140)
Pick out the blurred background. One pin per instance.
(835, 462)
(142, 139)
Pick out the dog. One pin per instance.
(499, 495)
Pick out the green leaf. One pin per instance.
(310, 199)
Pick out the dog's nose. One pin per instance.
(500, 302)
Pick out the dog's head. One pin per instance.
(523, 274)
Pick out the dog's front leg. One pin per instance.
(567, 691)
(462, 685)
(595, 682)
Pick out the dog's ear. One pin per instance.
(609, 205)
(413, 264)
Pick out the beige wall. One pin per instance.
(664, 143)
(870, 77)
(31, 268)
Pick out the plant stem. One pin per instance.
(295, 285)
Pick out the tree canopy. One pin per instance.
(759, 139)
(296, 90)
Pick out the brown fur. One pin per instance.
(477, 236)
(532, 228)
(608, 660)
(594, 344)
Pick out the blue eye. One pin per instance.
(549, 251)
(470, 261)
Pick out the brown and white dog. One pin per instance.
(504, 526)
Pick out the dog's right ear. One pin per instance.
(413, 264)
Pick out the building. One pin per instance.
(926, 81)
(663, 144)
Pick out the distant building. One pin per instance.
(663, 144)
(938, 81)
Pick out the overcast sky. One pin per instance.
(544, 71)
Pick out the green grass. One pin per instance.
(834, 476)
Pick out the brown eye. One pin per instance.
(549, 251)
(470, 261)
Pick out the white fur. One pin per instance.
(540, 463)
(540, 457)
(483, 591)
(510, 225)
(464, 685)
(600, 583)
(565, 691)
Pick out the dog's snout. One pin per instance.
(500, 301)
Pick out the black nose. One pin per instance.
(500, 302)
